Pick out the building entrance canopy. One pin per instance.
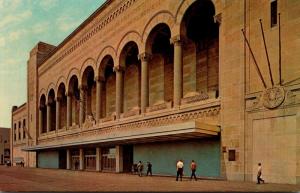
(179, 131)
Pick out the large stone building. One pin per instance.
(163, 80)
(4, 145)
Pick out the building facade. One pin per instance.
(19, 135)
(4, 145)
(166, 80)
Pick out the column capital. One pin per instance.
(175, 40)
(144, 56)
(69, 93)
(58, 98)
(41, 107)
(218, 18)
(118, 68)
(99, 79)
(82, 87)
(50, 102)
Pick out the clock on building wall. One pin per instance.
(273, 97)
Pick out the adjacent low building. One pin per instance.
(166, 80)
(4, 145)
(19, 135)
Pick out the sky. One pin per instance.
(23, 23)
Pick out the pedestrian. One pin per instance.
(193, 169)
(76, 164)
(140, 168)
(149, 168)
(179, 167)
(259, 174)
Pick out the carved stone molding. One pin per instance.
(112, 117)
(89, 122)
(161, 106)
(195, 98)
(160, 121)
(132, 112)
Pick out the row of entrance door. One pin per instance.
(108, 159)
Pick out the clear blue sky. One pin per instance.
(23, 23)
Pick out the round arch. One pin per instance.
(60, 80)
(103, 64)
(151, 35)
(61, 85)
(108, 50)
(41, 93)
(131, 36)
(128, 47)
(51, 86)
(160, 17)
(183, 7)
(88, 62)
(73, 72)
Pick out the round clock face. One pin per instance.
(273, 97)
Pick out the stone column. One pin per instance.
(144, 57)
(119, 90)
(48, 117)
(177, 70)
(99, 84)
(119, 158)
(40, 120)
(69, 110)
(68, 159)
(98, 159)
(57, 114)
(81, 159)
(82, 89)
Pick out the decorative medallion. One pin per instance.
(273, 97)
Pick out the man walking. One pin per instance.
(193, 169)
(179, 167)
(259, 174)
(149, 168)
(140, 168)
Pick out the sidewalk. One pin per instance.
(34, 179)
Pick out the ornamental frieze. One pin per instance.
(112, 131)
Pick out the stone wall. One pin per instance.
(226, 65)
(111, 95)
(131, 87)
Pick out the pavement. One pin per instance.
(36, 179)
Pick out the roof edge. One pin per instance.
(77, 30)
